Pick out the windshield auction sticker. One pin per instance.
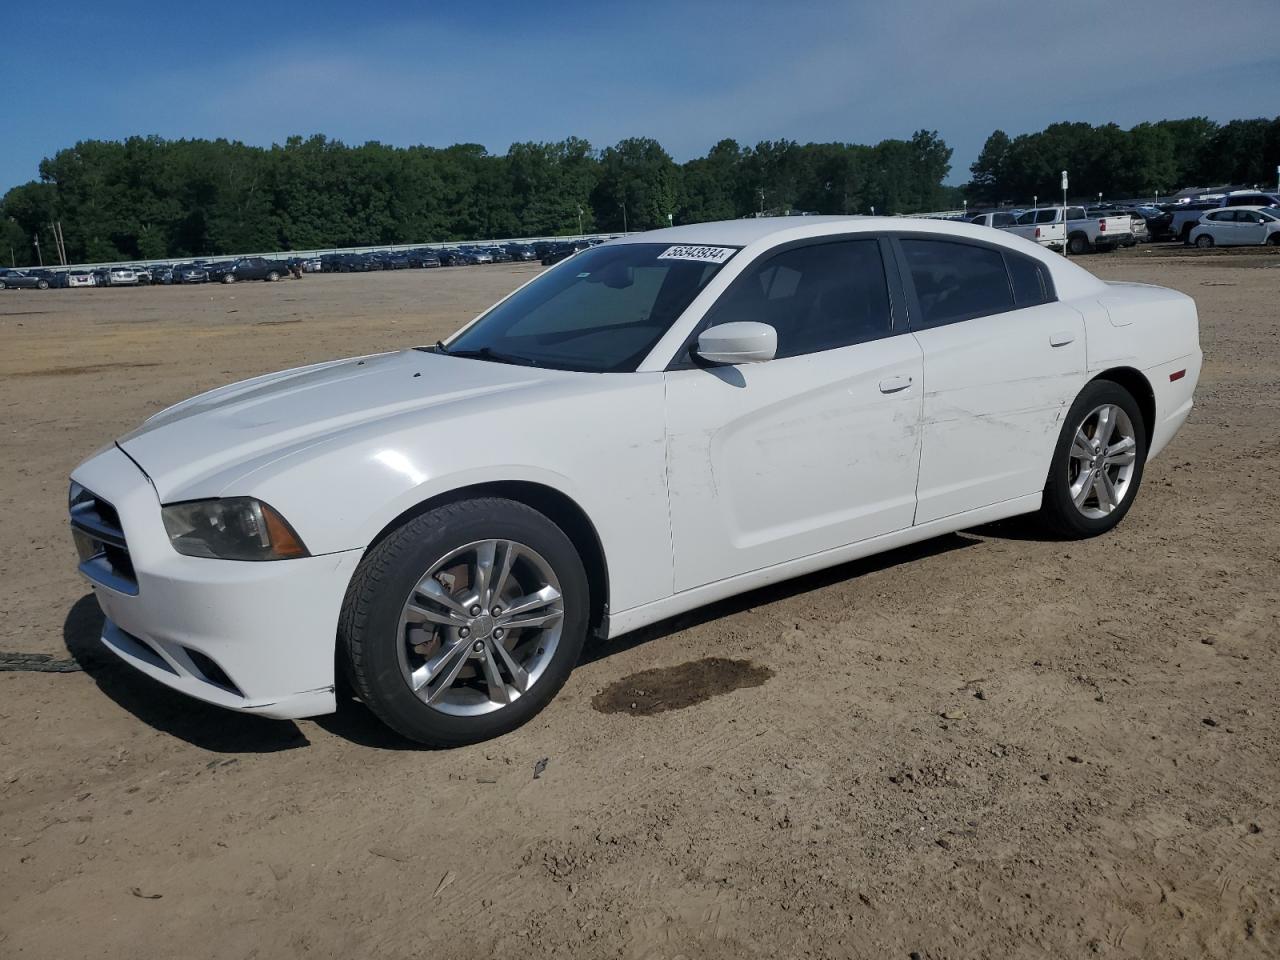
(703, 254)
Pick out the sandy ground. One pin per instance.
(991, 745)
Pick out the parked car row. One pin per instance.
(1075, 229)
(195, 271)
(1241, 217)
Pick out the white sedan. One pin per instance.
(1237, 226)
(649, 426)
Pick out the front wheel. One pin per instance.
(462, 624)
(273, 276)
(1097, 464)
(1204, 241)
(228, 278)
(42, 284)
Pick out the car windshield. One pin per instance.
(601, 311)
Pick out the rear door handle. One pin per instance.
(1061, 338)
(894, 384)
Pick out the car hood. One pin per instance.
(195, 448)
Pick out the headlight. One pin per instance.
(237, 528)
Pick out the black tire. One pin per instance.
(1058, 511)
(228, 278)
(42, 284)
(2, 285)
(273, 276)
(1273, 240)
(368, 629)
(1204, 241)
(1078, 244)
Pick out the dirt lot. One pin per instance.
(991, 745)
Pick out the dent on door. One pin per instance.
(776, 461)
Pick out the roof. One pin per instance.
(743, 233)
(740, 233)
(1070, 279)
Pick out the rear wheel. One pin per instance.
(1097, 464)
(273, 276)
(1078, 243)
(465, 622)
(42, 284)
(1204, 241)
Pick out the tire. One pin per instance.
(1273, 240)
(376, 629)
(1204, 241)
(1078, 244)
(273, 276)
(228, 278)
(2, 285)
(42, 284)
(1083, 513)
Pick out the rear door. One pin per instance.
(815, 449)
(1003, 359)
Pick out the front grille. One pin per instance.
(100, 542)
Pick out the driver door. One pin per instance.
(813, 450)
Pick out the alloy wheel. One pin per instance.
(1100, 464)
(480, 627)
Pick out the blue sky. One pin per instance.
(688, 73)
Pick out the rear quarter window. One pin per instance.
(1032, 284)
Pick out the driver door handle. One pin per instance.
(894, 384)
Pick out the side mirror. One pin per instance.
(743, 341)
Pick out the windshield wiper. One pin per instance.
(488, 353)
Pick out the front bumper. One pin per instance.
(255, 637)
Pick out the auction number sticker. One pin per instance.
(702, 254)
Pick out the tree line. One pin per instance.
(1147, 159)
(152, 198)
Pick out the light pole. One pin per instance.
(1066, 244)
(39, 255)
(1035, 202)
(579, 220)
(873, 210)
(1099, 198)
(965, 201)
(668, 219)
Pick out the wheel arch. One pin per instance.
(1139, 388)
(556, 506)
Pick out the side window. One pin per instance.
(816, 297)
(1002, 220)
(1030, 279)
(1248, 216)
(1215, 217)
(956, 281)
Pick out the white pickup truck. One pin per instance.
(1080, 232)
